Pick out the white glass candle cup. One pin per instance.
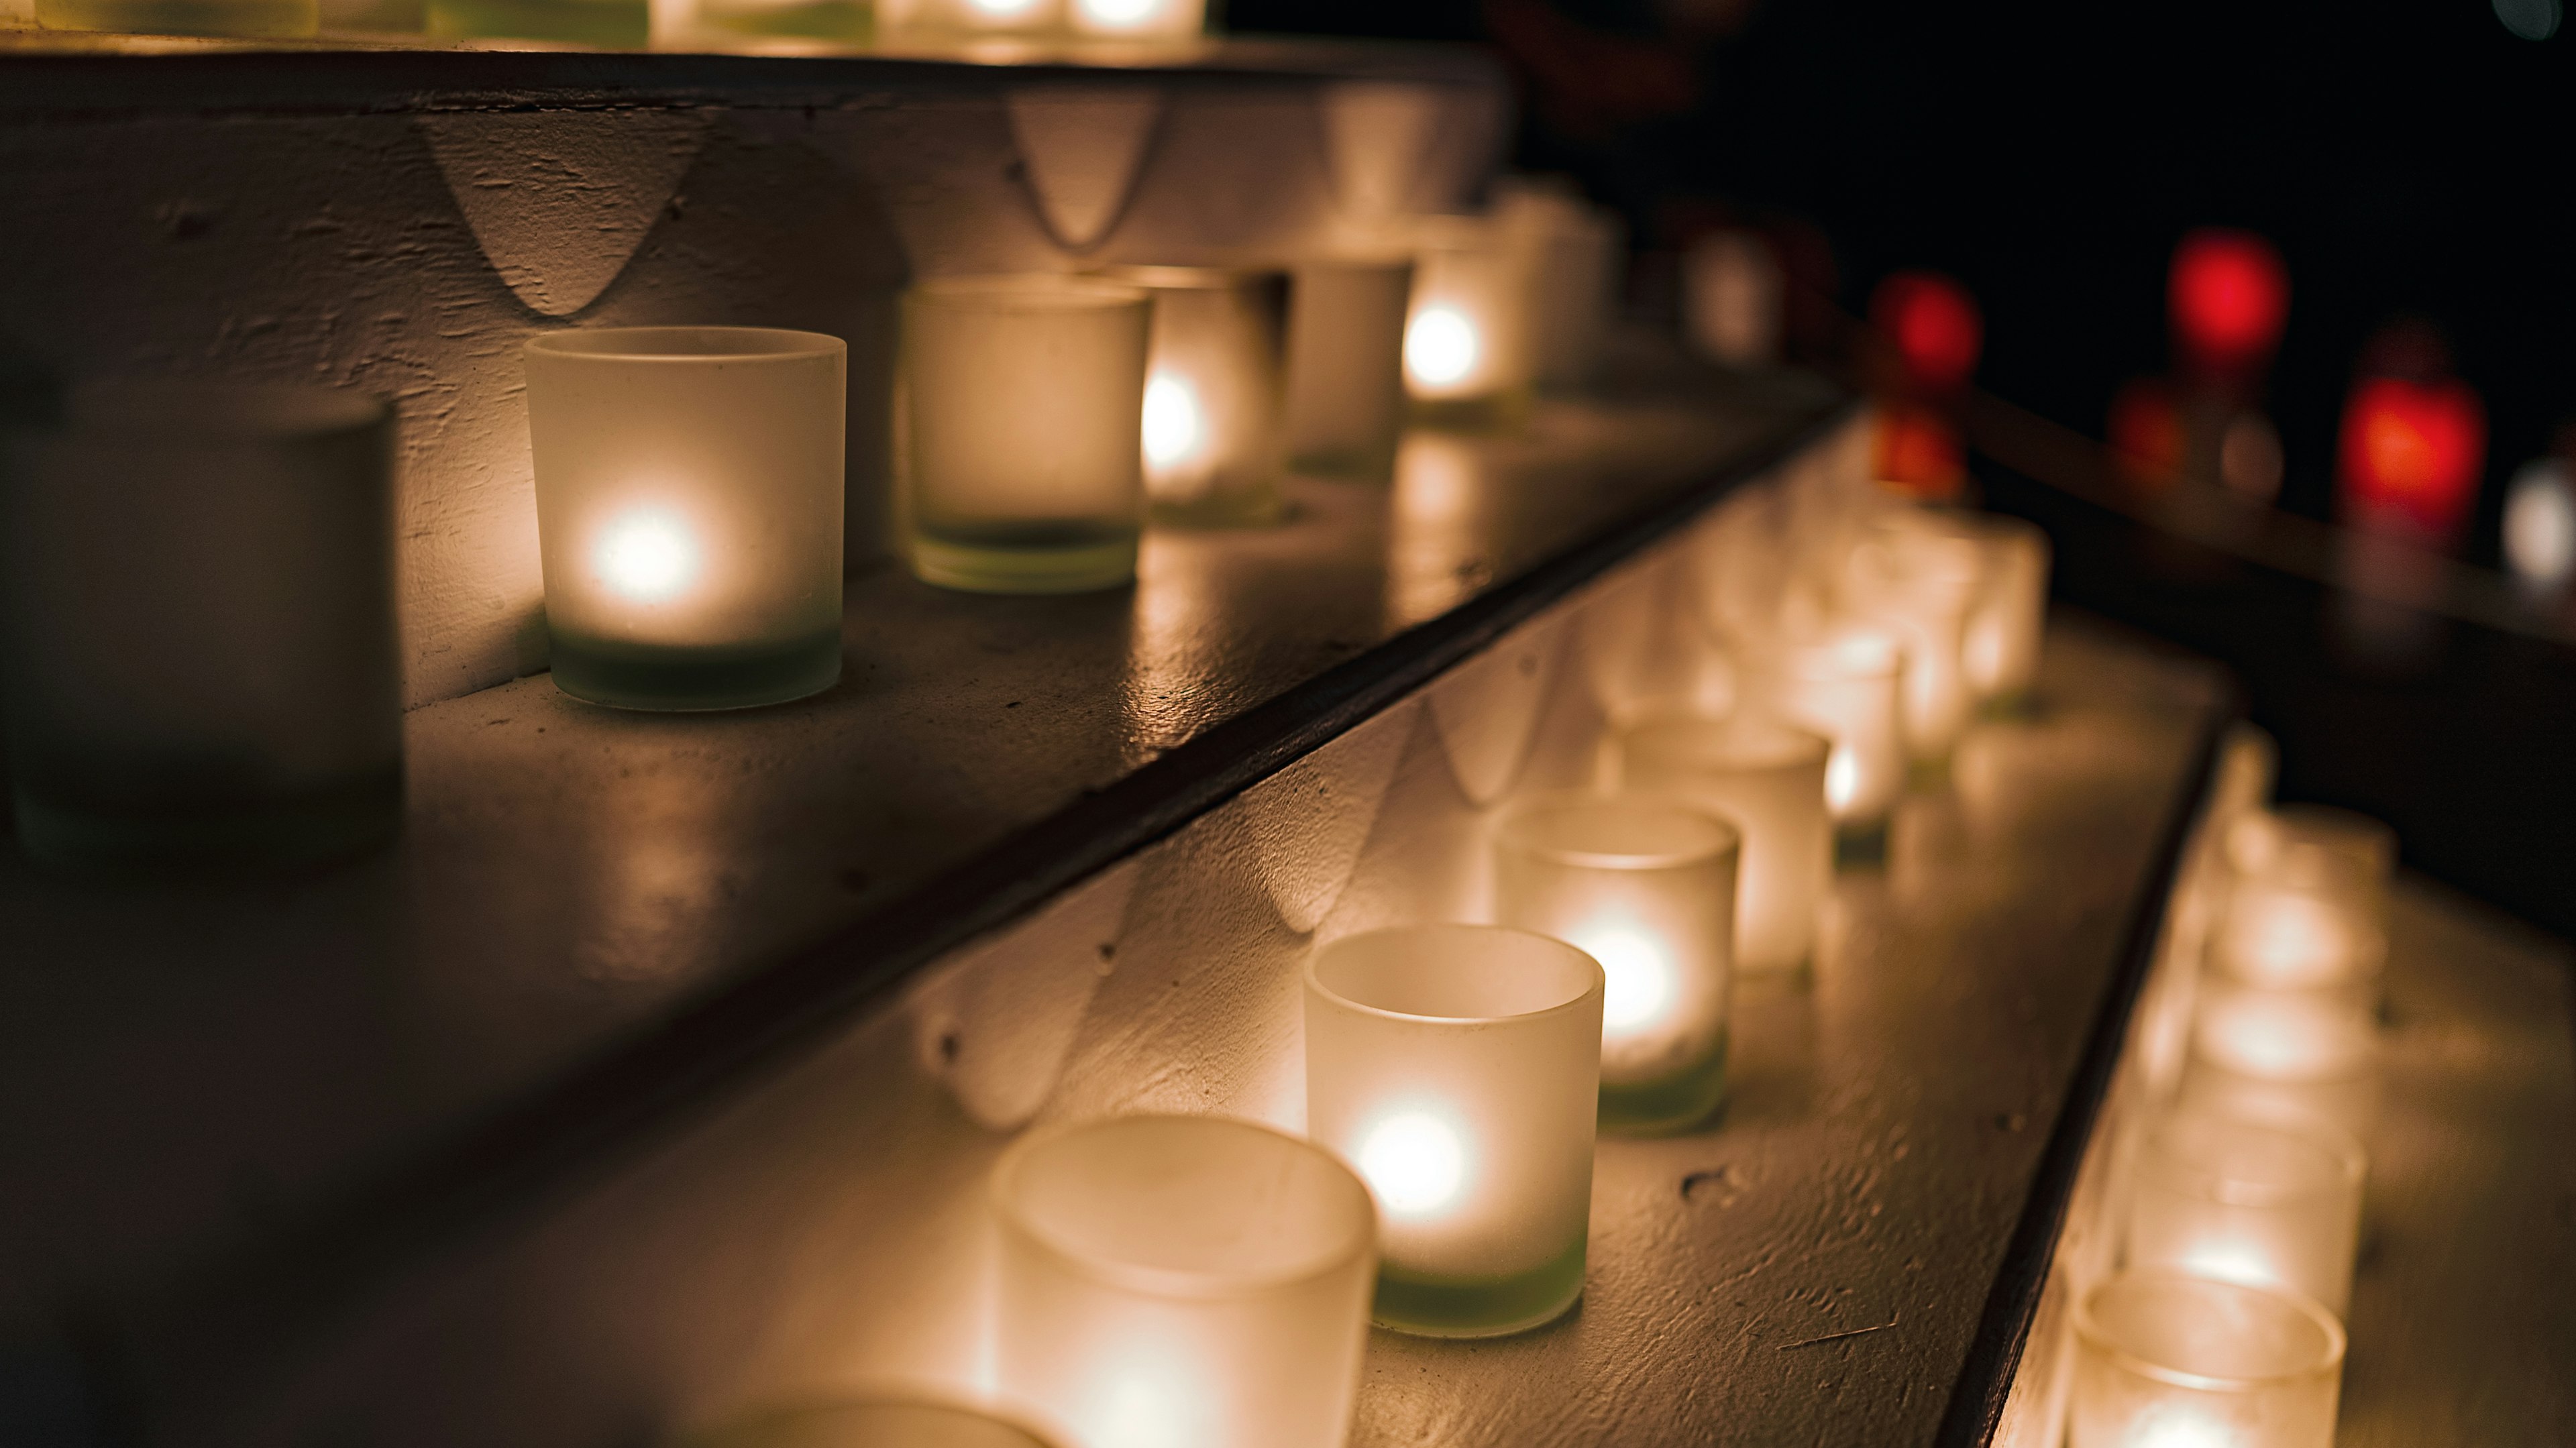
(1182, 1280)
(1573, 255)
(605, 24)
(1646, 888)
(1922, 576)
(795, 26)
(951, 21)
(2005, 629)
(1768, 780)
(1847, 687)
(200, 657)
(2275, 934)
(1154, 21)
(2329, 853)
(2284, 1055)
(869, 1423)
(2167, 1360)
(1457, 1067)
(1345, 386)
(1732, 298)
(2249, 1200)
(1467, 359)
(1211, 412)
(689, 497)
(1023, 407)
(264, 19)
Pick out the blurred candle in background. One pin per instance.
(934, 21)
(1846, 687)
(1732, 298)
(2249, 1201)
(1140, 20)
(1467, 357)
(1768, 780)
(2540, 527)
(1647, 889)
(1182, 1281)
(689, 497)
(2167, 1360)
(2228, 295)
(2010, 618)
(2271, 1053)
(200, 615)
(1922, 574)
(1023, 408)
(1458, 1068)
(1210, 421)
(1345, 368)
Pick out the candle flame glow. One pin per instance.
(1003, 9)
(1414, 1162)
(2230, 1262)
(1842, 778)
(1120, 12)
(1440, 347)
(1637, 972)
(647, 554)
(1175, 432)
(2181, 1428)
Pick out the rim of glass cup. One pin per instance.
(1174, 1282)
(846, 1420)
(1781, 745)
(1519, 830)
(2090, 1332)
(1026, 292)
(1384, 262)
(2258, 842)
(686, 344)
(2338, 1148)
(1596, 984)
(1160, 278)
(155, 409)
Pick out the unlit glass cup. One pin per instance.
(2167, 1360)
(689, 499)
(869, 1423)
(201, 651)
(1345, 389)
(1024, 401)
(1768, 780)
(1458, 1068)
(1646, 888)
(1182, 1280)
(1211, 414)
(1847, 687)
(2249, 1201)
(1573, 255)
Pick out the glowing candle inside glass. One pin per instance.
(1210, 417)
(1767, 780)
(1920, 576)
(1646, 888)
(1458, 1067)
(689, 495)
(1023, 405)
(2005, 629)
(2291, 1055)
(2249, 1201)
(2277, 935)
(1182, 1282)
(1467, 352)
(2167, 1360)
(1345, 386)
(1158, 20)
(868, 1423)
(1846, 687)
(2328, 853)
(952, 20)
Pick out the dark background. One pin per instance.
(2409, 159)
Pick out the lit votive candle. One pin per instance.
(1138, 20)
(1024, 402)
(2329, 853)
(955, 20)
(200, 658)
(1847, 687)
(869, 1423)
(689, 496)
(2288, 1055)
(1768, 780)
(1646, 888)
(1182, 1282)
(1457, 1067)
(1345, 387)
(1467, 354)
(2249, 1201)
(2010, 619)
(2168, 1360)
(2275, 934)
(1922, 578)
(1210, 418)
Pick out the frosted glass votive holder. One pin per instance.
(2328, 853)
(2010, 618)
(1211, 413)
(2166, 1360)
(1182, 1280)
(952, 21)
(1847, 687)
(1023, 406)
(1574, 251)
(2249, 1200)
(200, 651)
(1647, 889)
(1146, 21)
(1458, 1067)
(2284, 1055)
(1345, 370)
(2274, 934)
(689, 497)
(1768, 780)
(869, 1423)
(1922, 577)
(1467, 357)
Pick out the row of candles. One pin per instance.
(203, 655)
